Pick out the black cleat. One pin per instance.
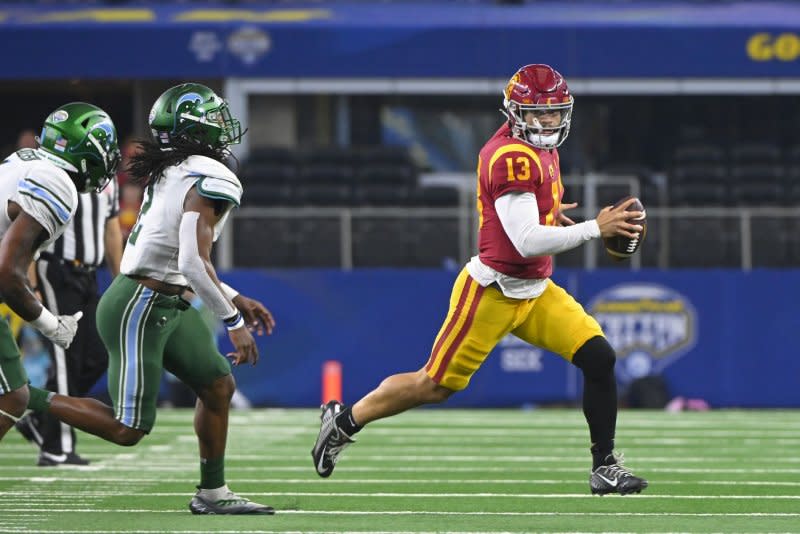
(232, 504)
(613, 478)
(47, 459)
(27, 426)
(331, 441)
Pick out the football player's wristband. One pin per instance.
(46, 323)
(232, 323)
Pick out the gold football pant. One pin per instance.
(479, 317)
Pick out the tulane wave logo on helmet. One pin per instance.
(189, 97)
(650, 327)
(108, 128)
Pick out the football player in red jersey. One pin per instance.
(506, 288)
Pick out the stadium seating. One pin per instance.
(704, 241)
(792, 185)
(771, 241)
(701, 173)
(333, 176)
(275, 242)
(319, 242)
(757, 184)
(698, 184)
(433, 196)
(354, 177)
(324, 184)
(268, 176)
(747, 153)
(434, 242)
(696, 153)
(381, 242)
(383, 184)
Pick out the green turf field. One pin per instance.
(487, 471)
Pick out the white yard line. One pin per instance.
(76, 475)
(216, 531)
(92, 490)
(446, 513)
(373, 495)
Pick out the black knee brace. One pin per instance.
(595, 358)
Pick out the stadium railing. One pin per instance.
(405, 236)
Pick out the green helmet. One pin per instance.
(195, 112)
(81, 139)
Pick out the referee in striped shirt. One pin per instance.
(65, 278)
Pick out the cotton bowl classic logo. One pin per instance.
(649, 326)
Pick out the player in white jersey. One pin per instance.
(156, 236)
(142, 318)
(39, 188)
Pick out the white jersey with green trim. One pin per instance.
(152, 249)
(42, 190)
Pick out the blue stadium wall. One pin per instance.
(725, 336)
(429, 40)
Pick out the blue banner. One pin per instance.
(723, 336)
(436, 41)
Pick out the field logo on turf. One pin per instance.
(650, 326)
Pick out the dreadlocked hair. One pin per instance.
(150, 162)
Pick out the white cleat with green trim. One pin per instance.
(230, 504)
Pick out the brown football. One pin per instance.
(621, 247)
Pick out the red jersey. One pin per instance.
(507, 164)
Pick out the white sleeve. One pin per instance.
(192, 267)
(519, 215)
(229, 292)
(49, 201)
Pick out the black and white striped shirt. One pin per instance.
(84, 238)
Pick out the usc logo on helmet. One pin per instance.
(514, 86)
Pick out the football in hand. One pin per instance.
(620, 247)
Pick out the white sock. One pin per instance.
(215, 494)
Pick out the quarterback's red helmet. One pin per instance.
(532, 91)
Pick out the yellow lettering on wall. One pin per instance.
(787, 47)
(97, 15)
(766, 47)
(247, 15)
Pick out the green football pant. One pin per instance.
(146, 332)
(12, 373)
